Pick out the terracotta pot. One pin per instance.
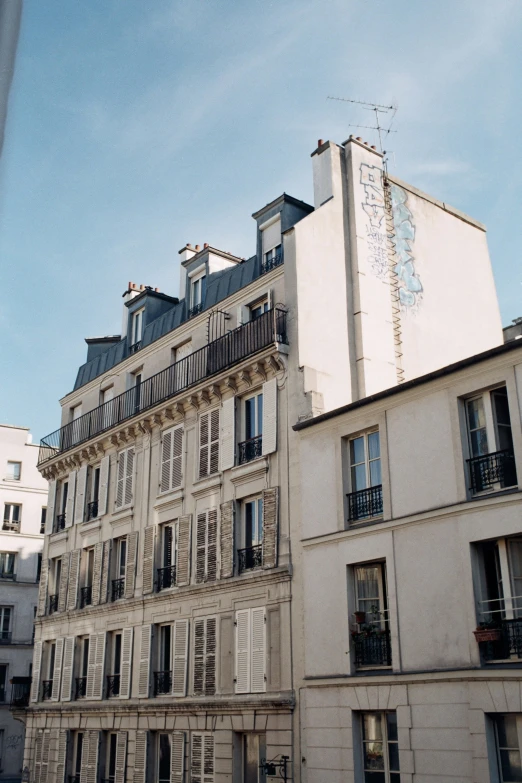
(360, 617)
(487, 634)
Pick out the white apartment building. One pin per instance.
(23, 501)
(166, 640)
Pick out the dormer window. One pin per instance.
(271, 244)
(136, 330)
(197, 293)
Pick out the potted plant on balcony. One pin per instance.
(487, 631)
(360, 617)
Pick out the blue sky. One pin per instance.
(136, 127)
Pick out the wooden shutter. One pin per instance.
(228, 437)
(99, 666)
(270, 527)
(212, 531)
(243, 315)
(71, 492)
(97, 573)
(104, 486)
(210, 656)
(81, 488)
(205, 656)
(196, 758)
(51, 500)
(130, 565)
(44, 773)
(206, 546)
(64, 583)
(166, 461)
(85, 757)
(68, 665)
(199, 657)
(269, 416)
(42, 588)
(177, 757)
(89, 770)
(243, 651)
(214, 441)
(258, 647)
(184, 550)
(91, 666)
(145, 649)
(57, 672)
(37, 665)
(148, 558)
(37, 765)
(177, 457)
(227, 539)
(180, 658)
(129, 476)
(61, 756)
(126, 663)
(121, 756)
(201, 546)
(204, 436)
(140, 758)
(74, 579)
(104, 577)
(120, 480)
(208, 758)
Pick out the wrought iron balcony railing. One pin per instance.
(113, 685)
(365, 503)
(250, 449)
(80, 690)
(53, 603)
(267, 264)
(85, 596)
(60, 523)
(134, 348)
(492, 471)
(117, 589)
(166, 578)
(162, 683)
(20, 692)
(12, 527)
(372, 647)
(92, 510)
(6, 637)
(47, 690)
(509, 642)
(249, 558)
(231, 348)
(195, 310)
(73, 778)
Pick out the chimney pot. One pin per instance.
(206, 244)
(320, 142)
(359, 138)
(188, 244)
(142, 287)
(374, 147)
(129, 285)
(157, 290)
(197, 247)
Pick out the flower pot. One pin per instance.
(360, 617)
(487, 634)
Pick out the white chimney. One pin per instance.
(130, 293)
(185, 254)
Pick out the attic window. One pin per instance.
(197, 294)
(271, 244)
(136, 330)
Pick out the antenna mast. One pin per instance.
(377, 108)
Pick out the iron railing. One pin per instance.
(195, 310)
(47, 689)
(249, 558)
(53, 603)
(73, 778)
(162, 683)
(250, 449)
(8, 575)
(372, 648)
(267, 264)
(231, 348)
(365, 503)
(85, 596)
(80, 690)
(492, 470)
(5, 637)
(13, 527)
(509, 643)
(134, 348)
(166, 578)
(92, 510)
(113, 685)
(60, 523)
(20, 692)
(117, 589)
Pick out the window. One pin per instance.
(88, 578)
(61, 517)
(206, 546)
(43, 520)
(125, 478)
(76, 765)
(169, 555)
(365, 482)
(136, 385)
(136, 330)
(171, 459)
(252, 748)
(250, 650)
(164, 757)
(380, 747)
(272, 259)
(14, 471)
(258, 308)
(47, 683)
(120, 565)
(92, 505)
(271, 244)
(12, 517)
(198, 285)
(6, 614)
(202, 757)
(7, 565)
(208, 443)
(110, 757)
(171, 677)
(55, 575)
(508, 735)
(250, 553)
(113, 679)
(252, 427)
(370, 634)
(3, 682)
(39, 567)
(109, 410)
(76, 425)
(83, 663)
(205, 656)
(490, 442)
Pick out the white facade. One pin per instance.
(23, 496)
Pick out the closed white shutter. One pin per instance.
(104, 486)
(270, 526)
(68, 665)
(42, 588)
(89, 771)
(203, 444)
(140, 758)
(243, 315)
(180, 658)
(212, 532)
(85, 757)
(81, 487)
(71, 492)
(74, 579)
(57, 672)
(97, 573)
(271, 235)
(228, 437)
(64, 583)
(145, 649)
(209, 436)
(148, 559)
(61, 757)
(243, 651)
(126, 663)
(37, 765)
(91, 666)
(120, 480)
(99, 667)
(177, 757)
(184, 550)
(166, 461)
(37, 665)
(269, 443)
(210, 656)
(104, 578)
(201, 547)
(129, 476)
(121, 757)
(44, 774)
(258, 646)
(51, 500)
(177, 457)
(130, 565)
(214, 442)
(227, 539)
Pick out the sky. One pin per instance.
(134, 128)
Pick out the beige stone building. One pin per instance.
(169, 642)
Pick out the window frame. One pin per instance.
(365, 435)
(256, 502)
(3, 610)
(390, 775)
(136, 326)
(491, 424)
(4, 669)
(14, 477)
(3, 573)
(8, 516)
(258, 414)
(157, 755)
(382, 621)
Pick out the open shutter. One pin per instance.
(51, 500)
(91, 665)
(177, 757)
(37, 665)
(126, 663)
(166, 461)
(199, 657)
(81, 487)
(177, 457)
(258, 645)
(44, 774)
(227, 539)
(204, 435)
(269, 416)
(270, 527)
(212, 545)
(74, 579)
(89, 771)
(145, 649)
(201, 546)
(196, 759)
(228, 437)
(61, 756)
(97, 573)
(130, 565)
(104, 578)
(243, 315)
(57, 672)
(104, 486)
(148, 559)
(99, 666)
(243, 651)
(71, 492)
(120, 479)
(129, 476)
(180, 658)
(37, 766)
(85, 757)
(68, 664)
(140, 758)
(184, 541)
(64, 582)
(214, 441)
(208, 758)
(210, 656)
(121, 757)
(42, 588)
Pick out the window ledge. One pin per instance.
(60, 536)
(88, 527)
(256, 468)
(202, 486)
(493, 493)
(122, 514)
(172, 496)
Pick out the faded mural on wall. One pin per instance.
(410, 287)
(373, 205)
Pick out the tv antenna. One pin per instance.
(377, 108)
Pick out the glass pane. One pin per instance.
(165, 648)
(357, 450)
(511, 767)
(505, 437)
(16, 514)
(372, 726)
(260, 414)
(395, 778)
(367, 583)
(373, 755)
(164, 758)
(479, 443)
(359, 477)
(374, 446)
(391, 722)
(393, 757)
(375, 473)
(249, 523)
(249, 418)
(374, 777)
(476, 415)
(507, 731)
(501, 407)
(79, 746)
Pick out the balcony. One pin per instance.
(250, 558)
(47, 690)
(134, 348)
(53, 603)
(372, 647)
(92, 510)
(60, 523)
(250, 449)
(80, 688)
(117, 589)
(166, 578)
(493, 471)
(193, 311)
(267, 264)
(219, 355)
(20, 693)
(162, 683)
(113, 685)
(85, 596)
(6, 637)
(12, 527)
(365, 504)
